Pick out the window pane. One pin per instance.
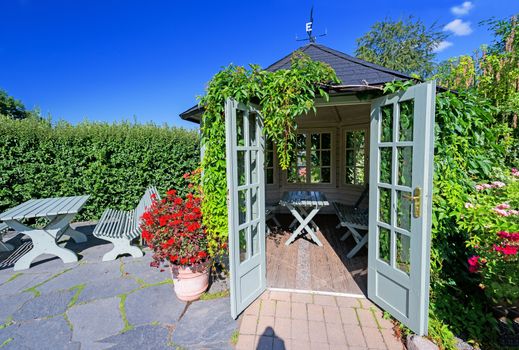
(252, 129)
(350, 158)
(315, 141)
(359, 176)
(242, 206)
(385, 164)
(386, 134)
(254, 167)
(325, 175)
(243, 244)
(405, 165)
(315, 157)
(350, 175)
(241, 168)
(269, 173)
(315, 176)
(301, 174)
(403, 210)
(384, 244)
(403, 252)
(406, 120)
(326, 141)
(240, 136)
(326, 158)
(255, 240)
(384, 214)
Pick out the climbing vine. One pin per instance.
(282, 96)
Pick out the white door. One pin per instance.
(246, 203)
(401, 169)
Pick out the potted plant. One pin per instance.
(172, 228)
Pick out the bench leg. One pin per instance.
(77, 236)
(121, 246)
(346, 235)
(359, 245)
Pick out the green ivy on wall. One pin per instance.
(282, 96)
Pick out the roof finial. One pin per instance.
(309, 27)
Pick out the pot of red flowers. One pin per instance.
(172, 228)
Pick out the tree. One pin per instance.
(11, 107)
(406, 45)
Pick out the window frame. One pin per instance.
(333, 159)
(342, 172)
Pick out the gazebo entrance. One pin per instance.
(400, 177)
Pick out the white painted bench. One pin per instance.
(354, 219)
(121, 227)
(4, 247)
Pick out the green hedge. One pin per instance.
(113, 163)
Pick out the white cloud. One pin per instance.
(442, 46)
(462, 9)
(458, 27)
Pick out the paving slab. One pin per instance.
(95, 321)
(153, 304)
(23, 281)
(206, 324)
(9, 304)
(53, 333)
(140, 268)
(81, 274)
(45, 305)
(142, 337)
(106, 289)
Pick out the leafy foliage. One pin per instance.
(11, 107)
(406, 45)
(470, 145)
(282, 96)
(113, 163)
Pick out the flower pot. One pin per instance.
(189, 284)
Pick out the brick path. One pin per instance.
(283, 320)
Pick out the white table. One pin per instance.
(59, 212)
(304, 205)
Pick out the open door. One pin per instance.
(400, 198)
(246, 204)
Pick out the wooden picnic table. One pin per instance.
(60, 212)
(304, 205)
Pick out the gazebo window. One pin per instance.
(313, 158)
(269, 162)
(355, 157)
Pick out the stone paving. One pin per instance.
(282, 320)
(123, 304)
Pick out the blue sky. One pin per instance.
(119, 59)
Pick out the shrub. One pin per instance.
(113, 163)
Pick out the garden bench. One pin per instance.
(354, 219)
(4, 247)
(121, 227)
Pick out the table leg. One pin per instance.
(44, 241)
(78, 237)
(305, 213)
(304, 225)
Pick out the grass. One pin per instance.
(234, 337)
(7, 341)
(16, 275)
(79, 288)
(217, 295)
(122, 310)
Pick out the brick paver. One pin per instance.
(284, 321)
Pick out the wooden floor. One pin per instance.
(305, 265)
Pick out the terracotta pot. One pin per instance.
(189, 284)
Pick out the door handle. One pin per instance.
(416, 198)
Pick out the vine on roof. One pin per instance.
(282, 96)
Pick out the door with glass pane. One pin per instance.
(246, 203)
(401, 168)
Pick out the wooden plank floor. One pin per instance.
(305, 265)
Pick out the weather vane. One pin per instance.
(308, 28)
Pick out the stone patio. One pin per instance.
(282, 320)
(123, 304)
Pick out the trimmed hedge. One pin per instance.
(113, 163)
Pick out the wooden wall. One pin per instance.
(335, 119)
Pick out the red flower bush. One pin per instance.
(172, 227)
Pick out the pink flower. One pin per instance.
(515, 172)
(479, 187)
(498, 184)
(513, 212)
(503, 206)
(501, 212)
(473, 262)
(506, 250)
(469, 205)
(487, 186)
